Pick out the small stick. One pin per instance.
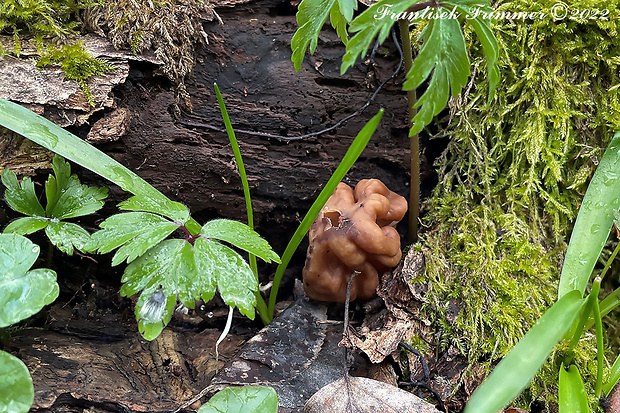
(346, 317)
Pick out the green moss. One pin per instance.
(41, 18)
(171, 28)
(56, 20)
(77, 64)
(512, 177)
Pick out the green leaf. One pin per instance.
(515, 371)
(339, 21)
(311, 16)
(154, 312)
(241, 236)
(572, 394)
(26, 225)
(66, 236)
(78, 200)
(376, 19)
(489, 43)
(190, 272)
(176, 211)
(347, 8)
(354, 151)
(235, 279)
(22, 292)
(444, 52)
(55, 184)
(16, 389)
(133, 232)
(156, 267)
(593, 222)
(248, 399)
(21, 198)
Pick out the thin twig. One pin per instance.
(425, 369)
(345, 330)
(313, 134)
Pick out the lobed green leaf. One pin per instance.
(61, 179)
(593, 223)
(66, 236)
(78, 200)
(248, 399)
(311, 16)
(235, 279)
(515, 371)
(133, 232)
(22, 198)
(16, 389)
(191, 272)
(367, 25)
(572, 394)
(241, 236)
(26, 225)
(22, 292)
(445, 54)
(176, 211)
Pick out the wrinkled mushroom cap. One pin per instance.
(353, 232)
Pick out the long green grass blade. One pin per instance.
(593, 223)
(354, 151)
(260, 303)
(56, 139)
(600, 351)
(572, 395)
(515, 371)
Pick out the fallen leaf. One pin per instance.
(360, 395)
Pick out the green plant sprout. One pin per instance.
(442, 56)
(189, 268)
(23, 292)
(66, 198)
(568, 317)
(354, 151)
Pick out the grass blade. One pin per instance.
(260, 303)
(593, 223)
(515, 371)
(572, 395)
(51, 136)
(356, 148)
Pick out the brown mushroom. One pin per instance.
(353, 232)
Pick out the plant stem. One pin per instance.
(260, 302)
(414, 188)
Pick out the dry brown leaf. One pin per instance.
(360, 394)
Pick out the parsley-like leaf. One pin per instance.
(21, 198)
(241, 236)
(367, 25)
(66, 236)
(170, 209)
(133, 232)
(444, 52)
(311, 16)
(177, 268)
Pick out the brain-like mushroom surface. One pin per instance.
(354, 232)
